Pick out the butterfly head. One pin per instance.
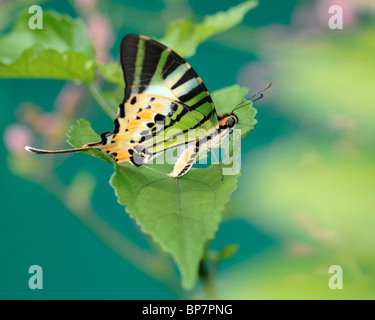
(228, 121)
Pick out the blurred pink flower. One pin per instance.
(299, 249)
(313, 17)
(69, 98)
(50, 124)
(85, 5)
(101, 33)
(309, 225)
(338, 121)
(16, 137)
(29, 113)
(349, 11)
(34, 116)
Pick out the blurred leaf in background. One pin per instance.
(312, 188)
(329, 79)
(184, 36)
(61, 50)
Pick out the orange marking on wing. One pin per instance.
(123, 137)
(158, 107)
(123, 156)
(146, 116)
(113, 147)
(136, 121)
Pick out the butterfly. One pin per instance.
(164, 100)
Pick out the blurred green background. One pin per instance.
(305, 199)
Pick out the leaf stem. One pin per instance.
(207, 276)
(103, 104)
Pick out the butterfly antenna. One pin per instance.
(248, 101)
(42, 151)
(261, 92)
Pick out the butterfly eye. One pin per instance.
(231, 122)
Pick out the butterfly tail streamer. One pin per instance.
(42, 151)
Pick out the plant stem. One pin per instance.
(208, 280)
(103, 104)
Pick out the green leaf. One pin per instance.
(112, 72)
(82, 133)
(226, 100)
(181, 215)
(112, 97)
(61, 50)
(184, 36)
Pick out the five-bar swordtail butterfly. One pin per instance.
(164, 100)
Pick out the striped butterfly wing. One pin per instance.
(164, 99)
(151, 67)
